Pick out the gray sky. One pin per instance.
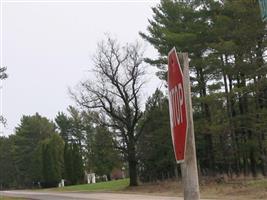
(47, 48)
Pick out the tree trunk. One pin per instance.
(245, 165)
(210, 154)
(263, 154)
(132, 161)
(109, 177)
(253, 166)
(133, 172)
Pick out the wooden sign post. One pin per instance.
(181, 119)
(189, 166)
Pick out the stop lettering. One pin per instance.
(177, 106)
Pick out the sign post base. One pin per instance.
(189, 166)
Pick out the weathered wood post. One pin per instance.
(189, 166)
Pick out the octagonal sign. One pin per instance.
(177, 106)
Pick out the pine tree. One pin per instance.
(156, 155)
(225, 41)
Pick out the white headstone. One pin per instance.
(62, 183)
(88, 178)
(93, 177)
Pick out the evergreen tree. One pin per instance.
(52, 160)
(71, 128)
(104, 155)
(156, 155)
(7, 163)
(29, 134)
(226, 43)
(64, 126)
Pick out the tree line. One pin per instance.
(42, 152)
(226, 42)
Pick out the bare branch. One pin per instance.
(115, 93)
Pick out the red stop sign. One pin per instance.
(177, 106)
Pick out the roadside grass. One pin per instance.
(258, 183)
(236, 190)
(11, 198)
(230, 190)
(109, 186)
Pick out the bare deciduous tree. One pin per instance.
(116, 95)
(3, 76)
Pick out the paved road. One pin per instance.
(82, 196)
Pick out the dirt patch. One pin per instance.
(170, 188)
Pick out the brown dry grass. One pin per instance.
(230, 190)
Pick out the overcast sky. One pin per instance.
(47, 48)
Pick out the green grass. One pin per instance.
(10, 198)
(102, 186)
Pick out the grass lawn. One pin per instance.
(10, 198)
(102, 186)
